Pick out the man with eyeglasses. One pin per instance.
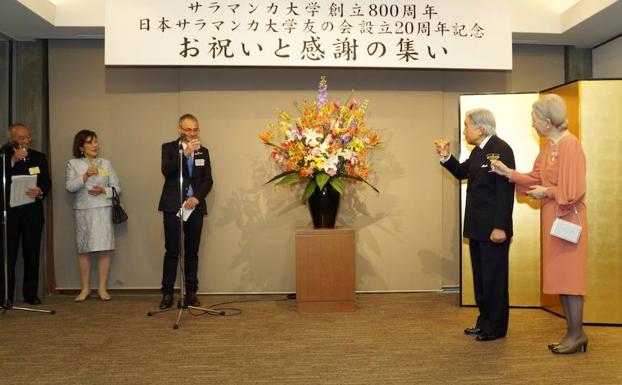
(196, 184)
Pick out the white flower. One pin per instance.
(311, 137)
(330, 165)
(346, 154)
(326, 144)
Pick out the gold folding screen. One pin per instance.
(595, 104)
(595, 117)
(513, 116)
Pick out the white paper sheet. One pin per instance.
(19, 185)
(186, 212)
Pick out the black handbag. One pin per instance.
(118, 213)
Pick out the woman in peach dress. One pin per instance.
(558, 180)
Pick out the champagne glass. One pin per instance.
(93, 167)
(24, 148)
(492, 157)
(441, 144)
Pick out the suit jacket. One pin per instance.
(201, 178)
(490, 197)
(106, 178)
(35, 164)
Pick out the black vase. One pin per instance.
(323, 205)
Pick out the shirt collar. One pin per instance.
(483, 143)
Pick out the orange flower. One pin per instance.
(305, 172)
(374, 139)
(266, 136)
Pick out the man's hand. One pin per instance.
(191, 147)
(96, 190)
(34, 192)
(537, 192)
(498, 236)
(191, 203)
(442, 147)
(19, 154)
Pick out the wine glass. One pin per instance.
(492, 157)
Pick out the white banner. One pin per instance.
(467, 34)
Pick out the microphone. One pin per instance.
(8, 145)
(180, 140)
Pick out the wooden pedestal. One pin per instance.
(325, 272)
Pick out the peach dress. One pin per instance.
(561, 168)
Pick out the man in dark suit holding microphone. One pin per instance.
(197, 183)
(487, 220)
(24, 222)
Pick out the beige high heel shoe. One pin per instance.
(81, 297)
(579, 346)
(104, 297)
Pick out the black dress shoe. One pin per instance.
(167, 301)
(484, 336)
(472, 331)
(192, 300)
(33, 301)
(7, 305)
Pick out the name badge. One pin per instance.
(34, 171)
(104, 172)
(199, 162)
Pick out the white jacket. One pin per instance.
(106, 178)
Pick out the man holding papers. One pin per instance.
(24, 210)
(197, 182)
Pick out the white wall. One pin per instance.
(607, 60)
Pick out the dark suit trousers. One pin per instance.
(29, 232)
(192, 237)
(490, 280)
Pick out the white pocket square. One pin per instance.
(484, 165)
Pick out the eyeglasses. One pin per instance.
(185, 129)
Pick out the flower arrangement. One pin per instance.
(327, 143)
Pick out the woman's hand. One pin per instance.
(92, 170)
(96, 190)
(537, 192)
(500, 168)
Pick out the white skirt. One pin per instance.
(94, 230)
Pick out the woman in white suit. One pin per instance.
(91, 179)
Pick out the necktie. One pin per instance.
(190, 163)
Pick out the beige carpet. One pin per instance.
(390, 339)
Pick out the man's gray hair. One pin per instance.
(481, 117)
(553, 108)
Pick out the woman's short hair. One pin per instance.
(481, 117)
(81, 137)
(552, 107)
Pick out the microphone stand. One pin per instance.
(7, 305)
(181, 305)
